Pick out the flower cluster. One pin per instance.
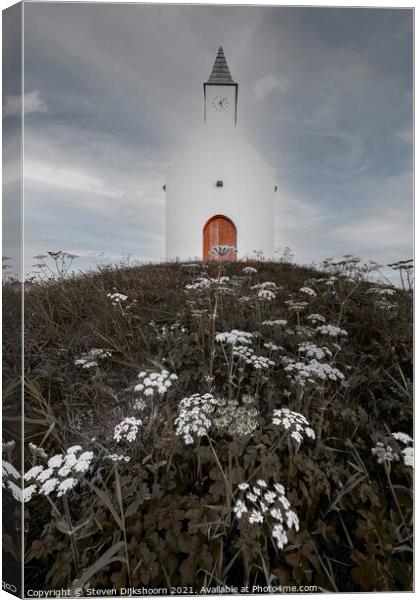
(331, 281)
(293, 422)
(8, 470)
(311, 371)
(331, 330)
(249, 271)
(315, 318)
(127, 430)
(159, 382)
(116, 458)
(266, 285)
(236, 419)
(235, 337)
(164, 332)
(37, 451)
(8, 446)
(90, 359)
(384, 304)
(260, 504)
(311, 350)
(308, 291)
(62, 473)
(117, 298)
(275, 322)
(247, 354)
(194, 416)
(408, 451)
(9, 476)
(381, 291)
(294, 305)
(384, 453)
(266, 295)
(272, 347)
(205, 283)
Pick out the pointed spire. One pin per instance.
(220, 72)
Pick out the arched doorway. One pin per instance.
(219, 232)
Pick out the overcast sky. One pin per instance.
(111, 92)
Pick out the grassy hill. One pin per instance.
(177, 382)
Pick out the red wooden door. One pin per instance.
(219, 232)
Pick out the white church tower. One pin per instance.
(219, 192)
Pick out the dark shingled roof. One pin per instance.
(220, 72)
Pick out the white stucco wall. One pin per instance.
(247, 196)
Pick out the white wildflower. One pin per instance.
(55, 461)
(9, 470)
(28, 492)
(235, 337)
(127, 430)
(256, 517)
(331, 330)
(271, 509)
(275, 322)
(316, 318)
(272, 347)
(234, 418)
(118, 458)
(408, 456)
(266, 285)
(270, 497)
(308, 291)
(70, 460)
(74, 449)
(44, 475)
(49, 486)
(20, 495)
(309, 372)
(66, 485)
(267, 295)
(294, 305)
(33, 472)
(252, 497)
(404, 438)
(205, 283)
(311, 350)
(158, 381)
(256, 361)
(381, 291)
(117, 298)
(279, 535)
(194, 416)
(15, 489)
(83, 462)
(384, 453)
(293, 422)
(240, 509)
(8, 446)
(249, 270)
(139, 404)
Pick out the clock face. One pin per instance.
(220, 103)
